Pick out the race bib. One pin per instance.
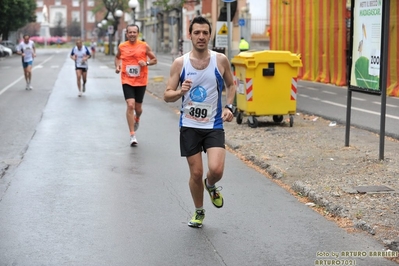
(198, 111)
(133, 71)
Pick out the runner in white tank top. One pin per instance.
(198, 78)
(202, 105)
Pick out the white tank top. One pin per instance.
(202, 104)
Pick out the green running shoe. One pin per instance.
(216, 196)
(197, 219)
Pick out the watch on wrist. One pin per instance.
(230, 107)
(148, 63)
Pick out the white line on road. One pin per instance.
(360, 109)
(329, 92)
(165, 64)
(22, 77)
(309, 88)
(358, 99)
(389, 105)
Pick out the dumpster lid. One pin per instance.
(275, 56)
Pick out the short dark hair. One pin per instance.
(133, 25)
(199, 20)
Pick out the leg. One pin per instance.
(216, 159)
(28, 75)
(84, 76)
(195, 182)
(130, 106)
(78, 78)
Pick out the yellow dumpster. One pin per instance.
(266, 85)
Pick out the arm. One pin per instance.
(153, 60)
(88, 55)
(117, 61)
(230, 87)
(171, 93)
(73, 56)
(34, 50)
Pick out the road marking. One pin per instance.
(358, 99)
(329, 92)
(361, 110)
(165, 64)
(389, 105)
(22, 77)
(309, 88)
(55, 66)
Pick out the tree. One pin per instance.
(15, 14)
(58, 30)
(74, 29)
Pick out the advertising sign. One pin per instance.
(366, 48)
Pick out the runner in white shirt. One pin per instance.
(197, 78)
(80, 54)
(27, 50)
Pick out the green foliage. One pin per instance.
(363, 78)
(15, 14)
(73, 29)
(164, 4)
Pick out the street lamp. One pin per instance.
(118, 14)
(133, 4)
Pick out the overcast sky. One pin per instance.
(257, 8)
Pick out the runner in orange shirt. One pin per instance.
(132, 61)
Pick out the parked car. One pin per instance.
(6, 51)
(10, 45)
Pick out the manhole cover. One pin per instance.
(366, 189)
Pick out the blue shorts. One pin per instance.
(26, 64)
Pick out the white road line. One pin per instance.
(165, 64)
(358, 99)
(389, 105)
(361, 110)
(329, 92)
(309, 88)
(22, 77)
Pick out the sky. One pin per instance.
(257, 8)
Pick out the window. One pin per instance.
(75, 2)
(39, 3)
(90, 2)
(75, 16)
(57, 2)
(91, 18)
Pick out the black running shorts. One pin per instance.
(136, 93)
(195, 140)
(84, 69)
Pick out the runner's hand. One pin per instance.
(227, 115)
(185, 86)
(118, 69)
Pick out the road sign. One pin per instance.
(221, 34)
(110, 29)
(241, 22)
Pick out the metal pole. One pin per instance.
(383, 73)
(228, 31)
(82, 20)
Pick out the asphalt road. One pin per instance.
(80, 195)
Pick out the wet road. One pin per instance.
(82, 196)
